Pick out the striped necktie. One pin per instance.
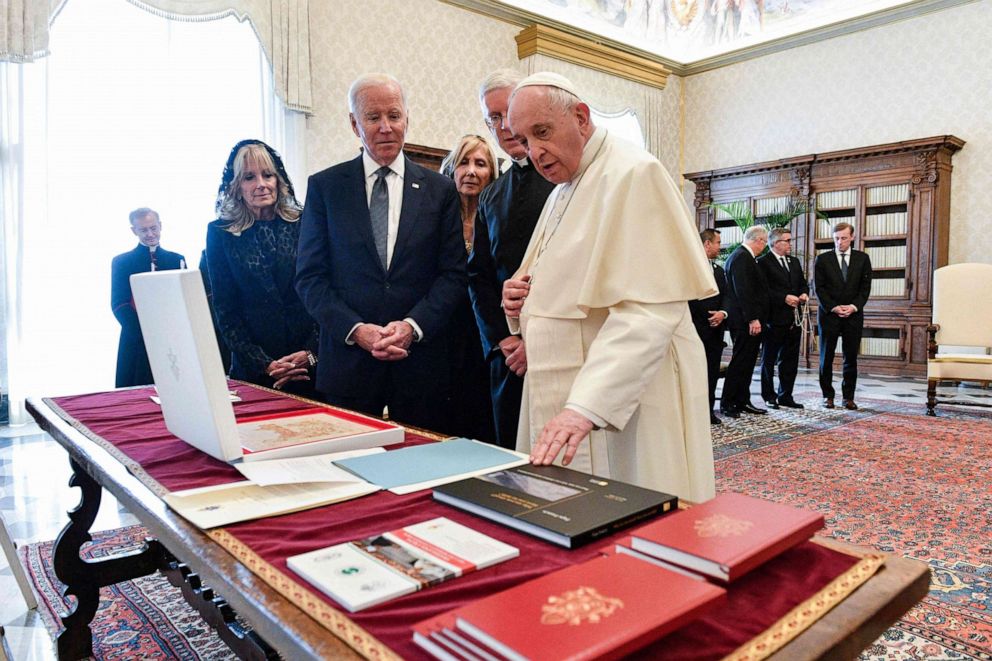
(379, 213)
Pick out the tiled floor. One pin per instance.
(35, 495)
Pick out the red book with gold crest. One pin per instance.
(728, 536)
(601, 609)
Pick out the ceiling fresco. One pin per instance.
(690, 30)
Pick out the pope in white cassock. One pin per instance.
(616, 374)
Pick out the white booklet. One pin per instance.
(366, 572)
(208, 507)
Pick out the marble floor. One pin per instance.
(35, 495)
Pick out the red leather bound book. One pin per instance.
(601, 609)
(728, 536)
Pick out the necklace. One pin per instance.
(563, 199)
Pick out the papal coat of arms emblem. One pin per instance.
(575, 607)
(721, 525)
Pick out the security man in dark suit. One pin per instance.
(381, 267)
(132, 360)
(842, 283)
(747, 306)
(709, 317)
(508, 212)
(787, 290)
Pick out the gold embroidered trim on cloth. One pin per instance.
(132, 466)
(332, 619)
(805, 614)
(762, 646)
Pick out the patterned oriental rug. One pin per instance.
(146, 618)
(890, 478)
(885, 477)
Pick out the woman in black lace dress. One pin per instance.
(251, 257)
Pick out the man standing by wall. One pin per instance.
(508, 212)
(747, 305)
(132, 360)
(615, 369)
(709, 317)
(787, 290)
(842, 283)
(381, 266)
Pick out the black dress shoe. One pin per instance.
(828, 402)
(771, 403)
(730, 413)
(790, 404)
(748, 408)
(850, 405)
(715, 420)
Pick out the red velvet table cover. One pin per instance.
(130, 422)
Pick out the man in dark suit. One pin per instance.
(842, 283)
(132, 360)
(508, 212)
(787, 290)
(381, 266)
(709, 317)
(747, 306)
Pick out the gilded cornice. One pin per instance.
(541, 40)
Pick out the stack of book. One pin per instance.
(726, 537)
(601, 609)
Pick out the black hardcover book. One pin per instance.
(557, 504)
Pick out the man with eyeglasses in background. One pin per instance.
(787, 290)
(508, 212)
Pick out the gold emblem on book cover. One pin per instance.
(721, 525)
(575, 607)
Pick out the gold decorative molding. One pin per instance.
(540, 39)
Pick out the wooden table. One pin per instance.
(282, 627)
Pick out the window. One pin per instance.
(130, 110)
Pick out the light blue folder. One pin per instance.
(423, 463)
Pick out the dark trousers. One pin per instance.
(423, 408)
(507, 390)
(831, 328)
(713, 345)
(780, 347)
(737, 384)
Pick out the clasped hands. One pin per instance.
(793, 301)
(293, 367)
(389, 343)
(843, 311)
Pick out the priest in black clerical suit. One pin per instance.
(710, 318)
(132, 361)
(787, 291)
(747, 306)
(842, 283)
(508, 212)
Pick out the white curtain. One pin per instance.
(86, 138)
(282, 26)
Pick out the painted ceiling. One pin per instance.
(687, 31)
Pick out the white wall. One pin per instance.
(440, 54)
(926, 76)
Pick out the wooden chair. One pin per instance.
(10, 552)
(962, 322)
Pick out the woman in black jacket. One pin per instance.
(251, 257)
